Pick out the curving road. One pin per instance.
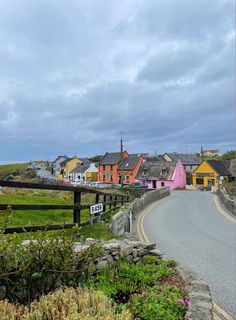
(189, 228)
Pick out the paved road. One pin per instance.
(188, 227)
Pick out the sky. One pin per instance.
(75, 73)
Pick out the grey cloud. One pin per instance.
(74, 74)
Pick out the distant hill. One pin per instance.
(14, 169)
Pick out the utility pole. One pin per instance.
(202, 153)
(121, 156)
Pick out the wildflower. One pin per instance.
(183, 301)
(144, 293)
(128, 303)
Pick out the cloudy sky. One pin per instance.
(74, 73)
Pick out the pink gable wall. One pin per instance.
(178, 179)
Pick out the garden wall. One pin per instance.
(228, 202)
(122, 221)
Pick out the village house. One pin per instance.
(111, 167)
(210, 172)
(68, 165)
(210, 153)
(189, 161)
(155, 174)
(84, 172)
(91, 174)
(55, 167)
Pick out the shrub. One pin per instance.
(68, 304)
(157, 303)
(45, 264)
(126, 277)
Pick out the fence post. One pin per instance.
(104, 203)
(77, 200)
(122, 200)
(98, 214)
(110, 201)
(115, 202)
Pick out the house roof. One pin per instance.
(110, 158)
(154, 171)
(211, 151)
(186, 159)
(80, 169)
(231, 166)
(85, 161)
(63, 163)
(220, 167)
(130, 162)
(57, 158)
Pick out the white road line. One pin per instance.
(225, 214)
(144, 238)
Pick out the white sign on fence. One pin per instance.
(96, 208)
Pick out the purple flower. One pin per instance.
(144, 293)
(183, 301)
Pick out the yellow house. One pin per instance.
(68, 165)
(209, 173)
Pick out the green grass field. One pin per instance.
(36, 217)
(7, 169)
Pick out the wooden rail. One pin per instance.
(114, 199)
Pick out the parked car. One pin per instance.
(136, 185)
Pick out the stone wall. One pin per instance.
(229, 203)
(132, 251)
(122, 221)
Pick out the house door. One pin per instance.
(211, 182)
(154, 184)
(119, 179)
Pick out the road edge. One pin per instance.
(201, 306)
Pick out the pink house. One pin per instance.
(156, 174)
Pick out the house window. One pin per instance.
(163, 172)
(145, 172)
(104, 167)
(104, 177)
(162, 184)
(200, 181)
(111, 178)
(111, 167)
(127, 179)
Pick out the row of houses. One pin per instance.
(173, 170)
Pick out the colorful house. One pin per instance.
(68, 165)
(112, 167)
(56, 165)
(91, 174)
(189, 161)
(108, 167)
(209, 173)
(156, 174)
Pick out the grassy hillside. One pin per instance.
(15, 169)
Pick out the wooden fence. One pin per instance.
(107, 199)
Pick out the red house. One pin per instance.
(112, 167)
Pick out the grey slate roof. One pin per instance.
(219, 167)
(186, 159)
(110, 158)
(154, 171)
(80, 169)
(130, 162)
(85, 161)
(65, 157)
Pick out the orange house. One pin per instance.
(112, 167)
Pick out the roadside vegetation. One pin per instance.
(230, 188)
(49, 280)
